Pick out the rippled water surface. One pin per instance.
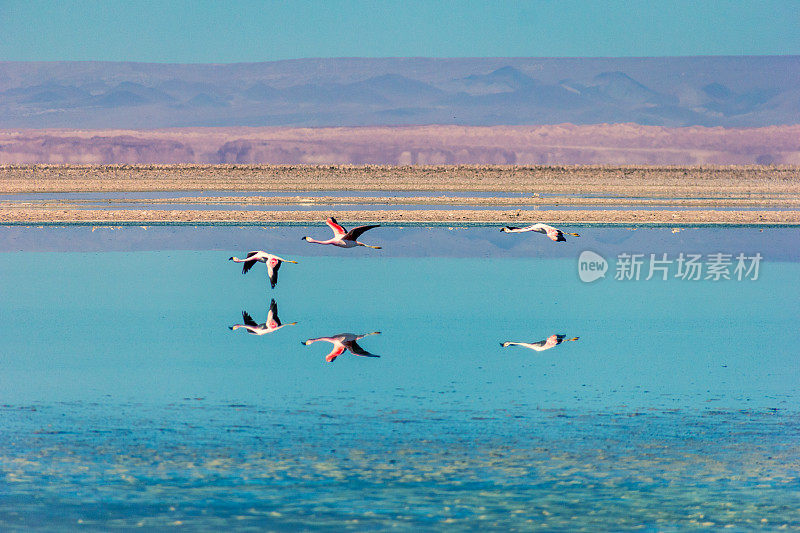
(127, 400)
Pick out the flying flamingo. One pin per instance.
(554, 234)
(344, 238)
(342, 342)
(272, 324)
(550, 342)
(259, 256)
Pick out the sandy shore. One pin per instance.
(631, 181)
(656, 195)
(517, 216)
(781, 202)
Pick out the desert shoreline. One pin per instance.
(388, 224)
(739, 195)
(597, 217)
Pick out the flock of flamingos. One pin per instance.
(349, 239)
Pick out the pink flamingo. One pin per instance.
(259, 256)
(344, 238)
(555, 234)
(342, 342)
(272, 324)
(550, 342)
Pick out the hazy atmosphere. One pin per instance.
(748, 91)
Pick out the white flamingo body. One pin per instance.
(343, 238)
(271, 325)
(342, 342)
(273, 263)
(555, 234)
(540, 346)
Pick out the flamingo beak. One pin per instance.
(574, 234)
(295, 262)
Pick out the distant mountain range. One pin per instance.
(673, 92)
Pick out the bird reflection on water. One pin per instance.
(271, 325)
(540, 346)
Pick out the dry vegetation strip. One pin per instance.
(737, 189)
(632, 181)
(520, 216)
(783, 201)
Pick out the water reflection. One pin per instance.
(540, 346)
(507, 445)
(342, 342)
(272, 324)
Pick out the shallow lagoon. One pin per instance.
(129, 401)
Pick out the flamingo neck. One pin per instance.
(325, 339)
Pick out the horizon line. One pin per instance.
(432, 58)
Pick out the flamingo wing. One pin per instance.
(337, 229)
(354, 347)
(552, 341)
(248, 320)
(555, 235)
(338, 349)
(250, 260)
(272, 272)
(538, 346)
(355, 233)
(272, 316)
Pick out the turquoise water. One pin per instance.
(127, 400)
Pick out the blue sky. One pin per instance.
(204, 31)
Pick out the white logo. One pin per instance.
(591, 266)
